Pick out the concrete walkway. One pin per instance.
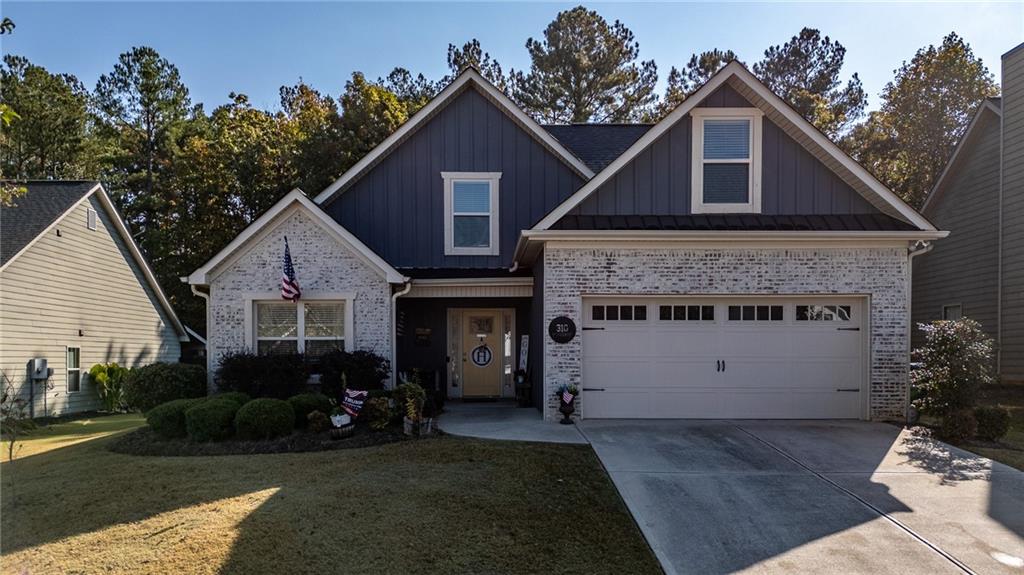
(812, 497)
(503, 420)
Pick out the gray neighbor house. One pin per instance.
(729, 261)
(978, 271)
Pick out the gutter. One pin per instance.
(918, 249)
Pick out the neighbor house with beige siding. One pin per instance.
(978, 272)
(75, 291)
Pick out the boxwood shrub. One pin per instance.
(211, 420)
(265, 418)
(306, 403)
(235, 396)
(993, 422)
(168, 419)
(148, 386)
(279, 376)
(361, 369)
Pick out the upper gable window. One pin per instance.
(726, 160)
(471, 213)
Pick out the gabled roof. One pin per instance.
(597, 144)
(45, 205)
(988, 106)
(783, 115)
(296, 197)
(469, 77)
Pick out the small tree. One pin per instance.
(956, 360)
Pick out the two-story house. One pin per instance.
(727, 262)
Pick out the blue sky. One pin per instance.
(254, 48)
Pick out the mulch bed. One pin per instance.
(143, 441)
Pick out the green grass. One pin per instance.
(63, 433)
(1010, 449)
(443, 505)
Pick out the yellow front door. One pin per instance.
(481, 353)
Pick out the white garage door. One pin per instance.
(770, 357)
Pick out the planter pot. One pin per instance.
(420, 428)
(567, 408)
(341, 420)
(343, 432)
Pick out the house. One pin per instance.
(729, 261)
(75, 291)
(979, 271)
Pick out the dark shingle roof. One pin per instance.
(736, 222)
(597, 144)
(35, 211)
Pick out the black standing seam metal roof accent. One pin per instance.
(597, 144)
(34, 211)
(736, 222)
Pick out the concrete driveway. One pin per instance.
(812, 497)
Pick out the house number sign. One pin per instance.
(481, 356)
(562, 329)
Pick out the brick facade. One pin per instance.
(880, 273)
(323, 265)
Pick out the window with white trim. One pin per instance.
(90, 219)
(471, 213)
(952, 312)
(310, 327)
(726, 160)
(74, 369)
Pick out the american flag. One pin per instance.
(567, 397)
(289, 287)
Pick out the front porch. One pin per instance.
(503, 420)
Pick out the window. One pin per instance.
(823, 313)
(618, 313)
(471, 213)
(312, 327)
(726, 160)
(756, 313)
(74, 369)
(952, 312)
(686, 312)
(90, 219)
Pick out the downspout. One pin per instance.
(394, 327)
(206, 305)
(918, 249)
(999, 257)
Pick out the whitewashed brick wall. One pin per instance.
(322, 265)
(571, 273)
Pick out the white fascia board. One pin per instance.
(296, 197)
(439, 101)
(737, 70)
(986, 106)
(126, 236)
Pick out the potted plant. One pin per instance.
(414, 397)
(342, 422)
(567, 395)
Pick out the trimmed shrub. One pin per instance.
(148, 386)
(958, 426)
(361, 370)
(318, 422)
(265, 418)
(993, 422)
(235, 396)
(278, 376)
(211, 420)
(385, 393)
(376, 413)
(306, 403)
(168, 419)
(955, 361)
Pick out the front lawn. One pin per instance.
(1010, 449)
(442, 505)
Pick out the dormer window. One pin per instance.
(471, 213)
(726, 160)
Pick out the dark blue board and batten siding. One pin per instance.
(657, 181)
(397, 208)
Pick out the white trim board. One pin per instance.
(126, 237)
(869, 186)
(442, 99)
(257, 229)
(755, 117)
(987, 105)
(493, 180)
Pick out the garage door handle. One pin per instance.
(593, 389)
(849, 389)
(847, 329)
(593, 328)
(718, 365)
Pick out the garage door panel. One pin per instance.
(775, 366)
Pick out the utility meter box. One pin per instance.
(37, 369)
